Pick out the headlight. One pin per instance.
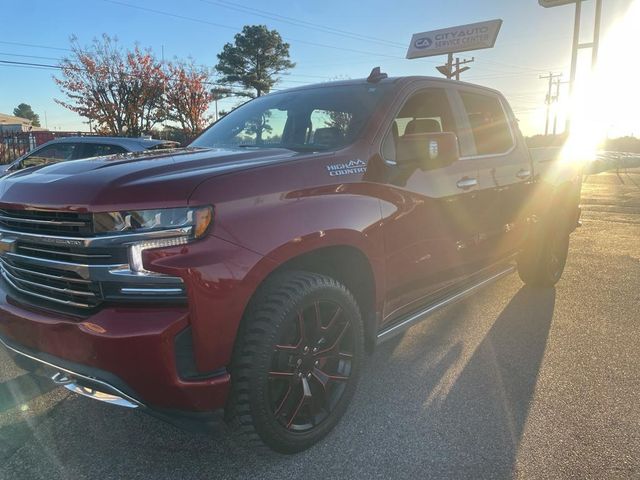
(140, 221)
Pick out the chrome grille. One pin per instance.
(47, 222)
(74, 272)
(51, 284)
(83, 255)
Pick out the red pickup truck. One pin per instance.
(251, 272)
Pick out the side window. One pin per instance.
(57, 152)
(267, 128)
(488, 123)
(329, 128)
(427, 111)
(100, 150)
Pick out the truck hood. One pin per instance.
(140, 180)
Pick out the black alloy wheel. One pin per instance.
(296, 362)
(311, 366)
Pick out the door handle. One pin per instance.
(466, 183)
(523, 174)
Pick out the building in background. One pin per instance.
(18, 136)
(10, 124)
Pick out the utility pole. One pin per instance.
(447, 68)
(453, 70)
(557, 99)
(549, 100)
(463, 69)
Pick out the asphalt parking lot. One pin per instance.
(512, 383)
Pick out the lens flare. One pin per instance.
(607, 100)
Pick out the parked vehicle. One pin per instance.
(76, 148)
(251, 271)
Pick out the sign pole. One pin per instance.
(596, 33)
(574, 48)
(574, 58)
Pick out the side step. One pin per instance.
(412, 319)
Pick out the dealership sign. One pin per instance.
(555, 3)
(454, 39)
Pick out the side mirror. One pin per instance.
(428, 150)
(14, 166)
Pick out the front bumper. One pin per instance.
(128, 352)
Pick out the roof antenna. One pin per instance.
(376, 75)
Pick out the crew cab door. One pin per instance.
(430, 215)
(505, 173)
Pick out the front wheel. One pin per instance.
(296, 362)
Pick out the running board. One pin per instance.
(420, 315)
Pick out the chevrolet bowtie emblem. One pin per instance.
(7, 245)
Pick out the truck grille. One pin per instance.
(59, 286)
(52, 260)
(47, 222)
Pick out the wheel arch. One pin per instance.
(345, 263)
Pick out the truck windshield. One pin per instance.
(314, 119)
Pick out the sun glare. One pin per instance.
(606, 101)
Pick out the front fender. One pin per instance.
(281, 227)
(277, 227)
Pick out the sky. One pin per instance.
(328, 40)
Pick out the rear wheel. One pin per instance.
(543, 262)
(296, 362)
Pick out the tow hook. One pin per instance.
(61, 378)
(72, 384)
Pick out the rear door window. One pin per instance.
(58, 152)
(264, 128)
(329, 128)
(100, 150)
(488, 122)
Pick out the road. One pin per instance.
(512, 383)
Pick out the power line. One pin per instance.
(236, 29)
(60, 67)
(28, 64)
(57, 59)
(25, 66)
(301, 23)
(33, 45)
(29, 56)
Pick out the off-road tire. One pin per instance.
(277, 304)
(542, 262)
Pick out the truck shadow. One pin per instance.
(450, 400)
(484, 413)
